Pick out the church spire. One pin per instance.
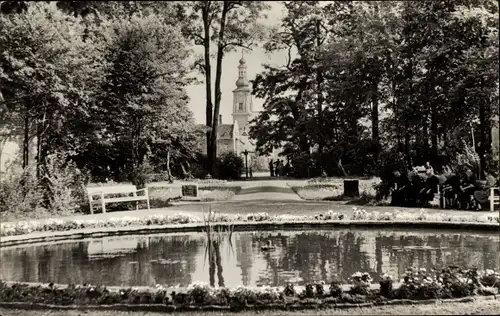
(242, 81)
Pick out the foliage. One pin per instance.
(225, 25)
(386, 286)
(420, 75)
(230, 167)
(20, 193)
(200, 294)
(102, 82)
(61, 191)
(47, 75)
(259, 163)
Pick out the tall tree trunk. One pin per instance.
(425, 136)
(26, 140)
(434, 133)
(374, 117)
(319, 93)
(169, 172)
(218, 75)
(38, 150)
(482, 138)
(208, 81)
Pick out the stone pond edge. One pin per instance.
(274, 306)
(100, 232)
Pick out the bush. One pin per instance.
(60, 190)
(141, 175)
(20, 193)
(230, 167)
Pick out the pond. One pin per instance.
(242, 258)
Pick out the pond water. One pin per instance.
(295, 256)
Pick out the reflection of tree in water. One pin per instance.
(176, 258)
(312, 256)
(70, 263)
(243, 249)
(434, 251)
(308, 254)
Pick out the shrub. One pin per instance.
(141, 175)
(20, 193)
(230, 167)
(59, 190)
(335, 289)
(386, 286)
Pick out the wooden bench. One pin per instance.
(127, 193)
(494, 199)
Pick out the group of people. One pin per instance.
(419, 186)
(278, 168)
(415, 188)
(462, 191)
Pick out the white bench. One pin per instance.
(128, 193)
(494, 199)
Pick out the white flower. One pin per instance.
(357, 275)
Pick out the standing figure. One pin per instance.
(271, 167)
(276, 168)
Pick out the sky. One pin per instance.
(254, 59)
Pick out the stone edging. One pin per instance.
(297, 306)
(39, 237)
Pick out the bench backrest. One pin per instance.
(114, 189)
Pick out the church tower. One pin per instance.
(242, 103)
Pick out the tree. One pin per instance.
(293, 93)
(144, 102)
(226, 25)
(45, 73)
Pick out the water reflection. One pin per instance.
(297, 257)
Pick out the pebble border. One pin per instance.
(38, 237)
(310, 304)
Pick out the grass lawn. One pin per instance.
(160, 196)
(332, 189)
(473, 308)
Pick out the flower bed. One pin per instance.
(26, 227)
(416, 286)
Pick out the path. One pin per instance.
(267, 190)
(271, 196)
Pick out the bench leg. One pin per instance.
(147, 201)
(103, 207)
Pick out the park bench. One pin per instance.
(494, 198)
(108, 194)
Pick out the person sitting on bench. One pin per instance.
(467, 189)
(401, 187)
(430, 185)
(451, 189)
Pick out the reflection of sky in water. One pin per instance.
(295, 257)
